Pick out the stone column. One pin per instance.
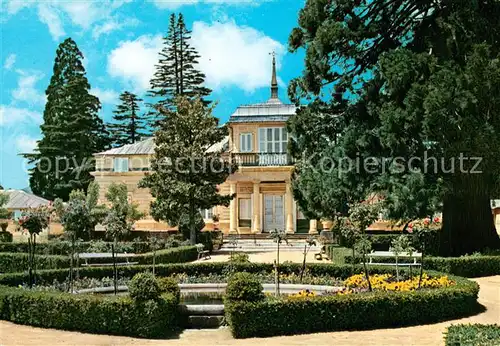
(232, 209)
(289, 208)
(313, 226)
(256, 208)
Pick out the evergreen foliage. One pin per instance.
(176, 72)
(185, 174)
(129, 124)
(71, 131)
(395, 80)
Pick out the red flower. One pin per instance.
(410, 230)
(427, 221)
(437, 219)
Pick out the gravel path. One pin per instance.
(489, 296)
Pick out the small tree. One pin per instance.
(129, 124)
(34, 221)
(278, 236)
(424, 230)
(399, 245)
(4, 213)
(310, 242)
(120, 219)
(360, 217)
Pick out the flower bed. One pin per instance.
(264, 317)
(307, 313)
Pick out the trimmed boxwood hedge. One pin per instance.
(347, 312)
(17, 262)
(93, 314)
(472, 335)
(466, 266)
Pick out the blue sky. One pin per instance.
(120, 40)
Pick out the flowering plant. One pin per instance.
(387, 282)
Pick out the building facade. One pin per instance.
(258, 142)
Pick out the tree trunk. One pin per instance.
(34, 259)
(115, 284)
(421, 267)
(192, 225)
(30, 261)
(468, 225)
(71, 265)
(366, 273)
(303, 269)
(154, 261)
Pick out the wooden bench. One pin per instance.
(205, 254)
(86, 256)
(390, 254)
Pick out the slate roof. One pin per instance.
(270, 111)
(147, 147)
(19, 199)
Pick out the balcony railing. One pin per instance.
(263, 159)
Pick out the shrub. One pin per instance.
(18, 262)
(244, 286)
(239, 258)
(3, 226)
(144, 286)
(169, 285)
(472, 335)
(352, 311)
(6, 237)
(93, 314)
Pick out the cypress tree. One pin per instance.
(185, 174)
(128, 125)
(176, 72)
(71, 132)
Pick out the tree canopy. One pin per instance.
(128, 126)
(397, 104)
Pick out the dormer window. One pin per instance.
(246, 143)
(120, 164)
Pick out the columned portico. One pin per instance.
(232, 209)
(256, 208)
(289, 208)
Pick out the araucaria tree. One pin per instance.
(186, 168)
(129, 124)
(71, 131)
(176, 73)
(399, 104)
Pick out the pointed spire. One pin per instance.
(274, 81)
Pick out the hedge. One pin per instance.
(353, 311)
(472, 335)
(64, 247)
(18, 262)
(93, 314)
(466, 266)
(6, 237)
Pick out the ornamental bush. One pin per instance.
(144, 286)
(368, 310)
(472, 335)
(244, 287)
(6, 237)
(92, 314)
(169, 285)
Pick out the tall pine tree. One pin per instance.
(71, 132)
(129, 124)
(176, 72)
(185, 174)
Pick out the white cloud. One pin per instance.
(10, 61)
(134, 61)
(83, 13)
(112, 25)
(174, 4)
(105, 95)
(26, 91)
(25, 143)
(233, 55)
(48, 15)
(10, 115)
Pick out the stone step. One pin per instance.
(204, 322)
(202, 309)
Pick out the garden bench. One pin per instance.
(374, 255)
(202, 253)
(86, 256)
